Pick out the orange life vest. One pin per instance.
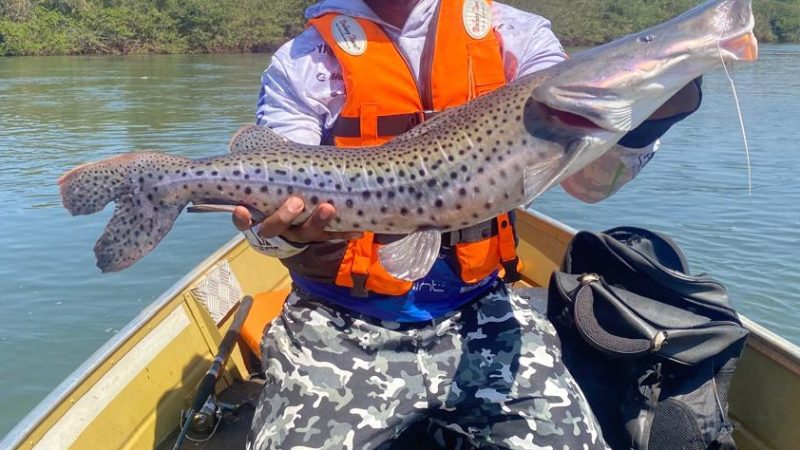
(461, 60)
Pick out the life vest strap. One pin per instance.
(508, 249)
(470, 234)
(391, 125)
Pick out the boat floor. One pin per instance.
(232, 431)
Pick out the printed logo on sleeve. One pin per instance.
(477, 15)
(349, 35)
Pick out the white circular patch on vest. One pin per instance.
(349, 35)
(477, 16)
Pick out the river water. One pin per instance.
(57, 112)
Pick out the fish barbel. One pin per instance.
(463, 167)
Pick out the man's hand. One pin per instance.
(280, 223)
(684, 101)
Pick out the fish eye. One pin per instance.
(646, 39)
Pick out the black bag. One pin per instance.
(652, 347)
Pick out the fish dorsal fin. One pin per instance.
(254, 137)
(412, 257)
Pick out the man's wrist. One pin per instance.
(276, 246)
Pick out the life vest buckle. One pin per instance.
(359, 288)
(511, 275)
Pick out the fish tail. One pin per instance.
(142, 216)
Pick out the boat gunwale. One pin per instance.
(17, 435)
(773, 346)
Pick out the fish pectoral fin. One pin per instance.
(412, 257)
(537, 178)
(254, 137)
(540, 177)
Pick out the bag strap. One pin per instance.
(596, 335)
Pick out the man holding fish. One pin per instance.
(411, 322)
(357, 355)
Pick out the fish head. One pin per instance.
(619, 85)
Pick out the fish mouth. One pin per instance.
(743, 47)
(571, 119)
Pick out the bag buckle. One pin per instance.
(658, 340)
(588, 278)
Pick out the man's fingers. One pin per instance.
(313, 229)
(320, 219)
(241, 218)
(280, 221)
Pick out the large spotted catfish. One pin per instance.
(465, 166)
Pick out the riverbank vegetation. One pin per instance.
(48, 27)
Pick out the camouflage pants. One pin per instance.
(488, 375)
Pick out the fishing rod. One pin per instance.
(209, 381)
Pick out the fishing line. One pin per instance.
(741, 120)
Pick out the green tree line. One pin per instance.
(48, 27)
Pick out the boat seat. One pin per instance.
(266, 306)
